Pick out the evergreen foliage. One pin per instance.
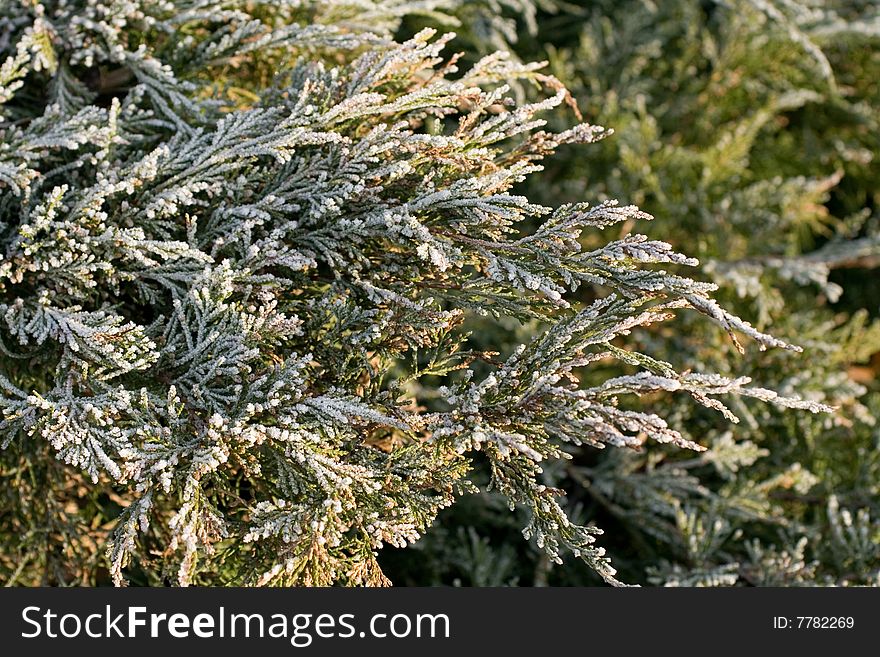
(278, 288)
(749, 129)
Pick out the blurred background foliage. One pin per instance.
(749, 129)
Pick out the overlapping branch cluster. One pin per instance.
(749, 128)
(240, 240)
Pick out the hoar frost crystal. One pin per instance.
(241, 241)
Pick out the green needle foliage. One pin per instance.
(749, 130)
(272, 300)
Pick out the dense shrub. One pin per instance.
(272, 300)
(749, 129)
